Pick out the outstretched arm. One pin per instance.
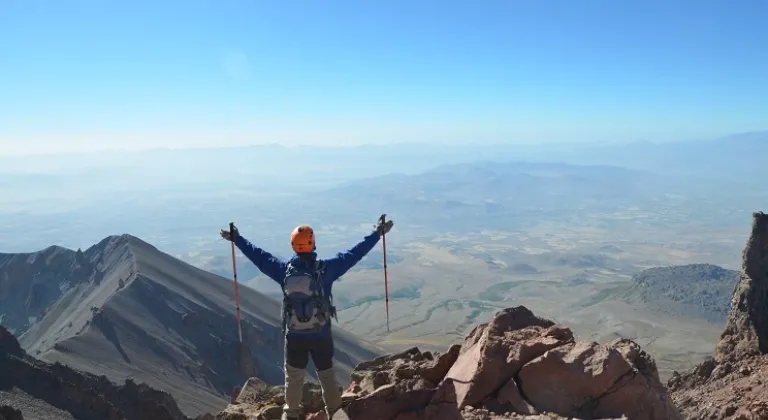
(264, 261)
(344, 261)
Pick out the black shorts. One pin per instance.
(297, 352)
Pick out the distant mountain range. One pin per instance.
(731, 157)
(508, 195)
(124, 309)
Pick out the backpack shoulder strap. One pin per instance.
(319, 267)
(289, 271)
(317, 277)
(319, 271)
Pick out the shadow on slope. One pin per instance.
(51, 389)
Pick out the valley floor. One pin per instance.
(442, 287)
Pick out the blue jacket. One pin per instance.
(335, 267)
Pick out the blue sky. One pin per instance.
(95, 74)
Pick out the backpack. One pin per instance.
(306, 308)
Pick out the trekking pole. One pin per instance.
(386, 283)
(234, 274)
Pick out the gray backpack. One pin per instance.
(306, 308)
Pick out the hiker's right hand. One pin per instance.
(226, 235)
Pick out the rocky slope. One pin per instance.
(126, 310)
(734, 383)
(517, 366)
(54, 390)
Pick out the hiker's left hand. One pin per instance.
(230, 237)
(382, 227)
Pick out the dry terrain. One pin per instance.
(444, 286)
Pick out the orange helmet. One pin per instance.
(303, 239)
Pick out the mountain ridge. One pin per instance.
(125, 309)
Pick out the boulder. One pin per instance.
(493, 354)
(510, 396)
(256, 391)
(409, 369)
(387, 402)
(587, 379)
(517, 366)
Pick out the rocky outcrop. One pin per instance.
(517, 366)
(734, 383)
(746, 332)
(409, 369)
(83, 395)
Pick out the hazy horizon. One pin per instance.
(391, 144)
(80, 75)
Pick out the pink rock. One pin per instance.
(595, 380)
(489, 359)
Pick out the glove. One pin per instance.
(382, 227)
(230, 237)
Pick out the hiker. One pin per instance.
(308, 307)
